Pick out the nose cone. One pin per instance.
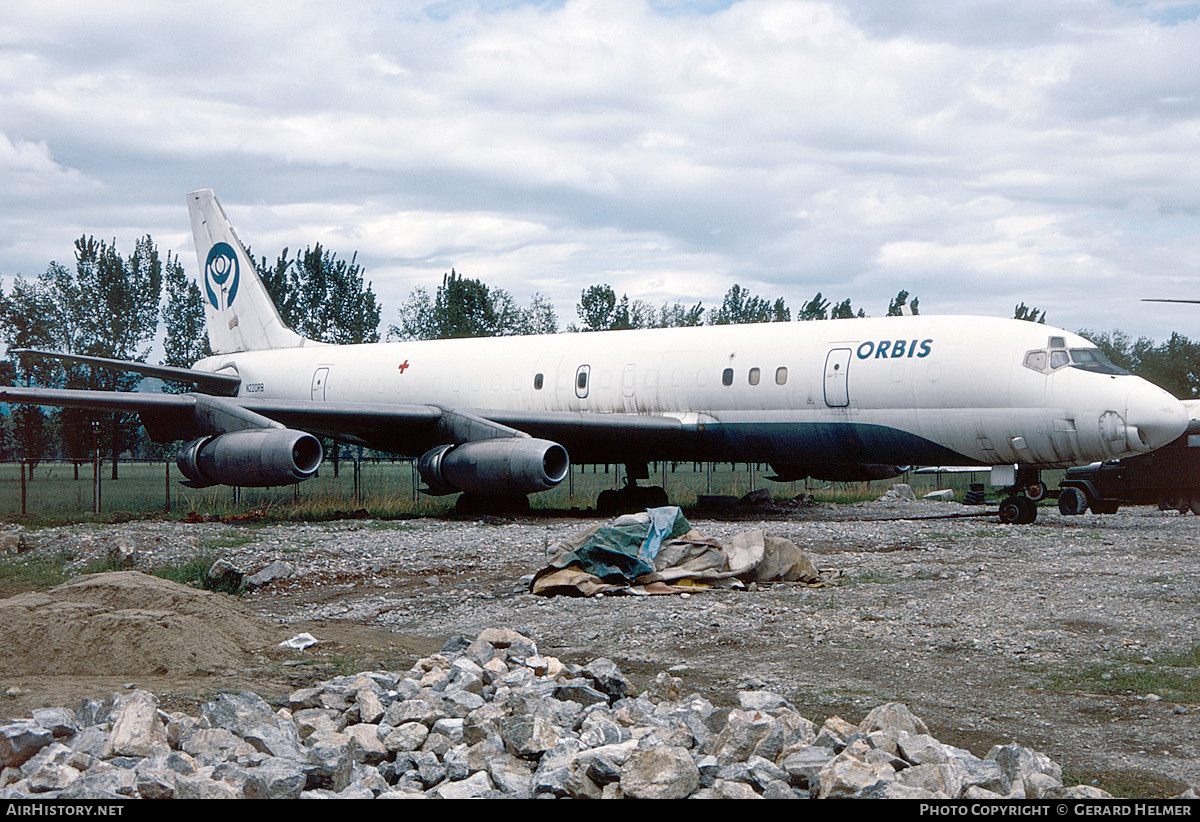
(1157, 417)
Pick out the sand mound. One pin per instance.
(127, 624)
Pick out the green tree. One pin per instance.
(844, 311)
(321, 296)
(1029, 313)
(815, 309)
(465, 307)
(284, 291)
(107, 307)
(1117, 346)
(896, 306)
(186, 339)
(540, 316)
(27, 431)
(677, 315)
(597, 307)
(1173, 365)
(740, 306)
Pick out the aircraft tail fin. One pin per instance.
(240, 313)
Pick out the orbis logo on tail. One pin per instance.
(221, 274)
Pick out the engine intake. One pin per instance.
(504, 466)
(254, 458)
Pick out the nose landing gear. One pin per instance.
(1020, 506)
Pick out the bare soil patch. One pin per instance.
(1070, 635)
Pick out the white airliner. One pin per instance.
(840, 399)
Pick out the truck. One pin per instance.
(1168, 477)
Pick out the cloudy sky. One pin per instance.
(978, 153)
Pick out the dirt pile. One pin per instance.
(127, 624)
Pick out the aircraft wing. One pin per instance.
(411, 429)
(225, 385)
(398, 428)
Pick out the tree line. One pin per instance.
(110, 304)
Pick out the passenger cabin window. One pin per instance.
(727, 377)
(537, 382)
(781, 376)
(755, 375)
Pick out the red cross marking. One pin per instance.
(403, 366)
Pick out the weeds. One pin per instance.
(871, 578)
(1126, 676)
(386, 492)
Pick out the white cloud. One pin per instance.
(967, 152)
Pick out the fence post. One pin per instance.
(22, 467)
(95, 468)
(166, 486)
(357, 479)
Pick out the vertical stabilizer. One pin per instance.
(240, 313)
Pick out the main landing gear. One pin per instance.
(632, 497)
(1020, 506)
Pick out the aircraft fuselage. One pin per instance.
(907, 390)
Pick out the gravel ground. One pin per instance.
(1069, 635)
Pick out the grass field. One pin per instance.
(55, 495)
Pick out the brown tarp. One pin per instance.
(683, 564)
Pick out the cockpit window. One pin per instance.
(1086, 359)
(1093, 359)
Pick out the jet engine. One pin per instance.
(503, 466)
(837, 472)
(252, 458)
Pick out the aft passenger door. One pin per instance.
(837, 384)
(320, 377)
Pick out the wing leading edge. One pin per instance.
(223, 385)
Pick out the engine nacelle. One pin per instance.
(253, 458)
(504, 466)
(838, 472)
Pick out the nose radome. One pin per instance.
(1157, 417)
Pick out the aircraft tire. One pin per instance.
(1036, 491)
(1018, 510)
(1194, 503)
(656, 497)
(1072, 502)
(608, 503)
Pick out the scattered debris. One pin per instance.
(299, 642)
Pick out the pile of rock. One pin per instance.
(490, 717)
